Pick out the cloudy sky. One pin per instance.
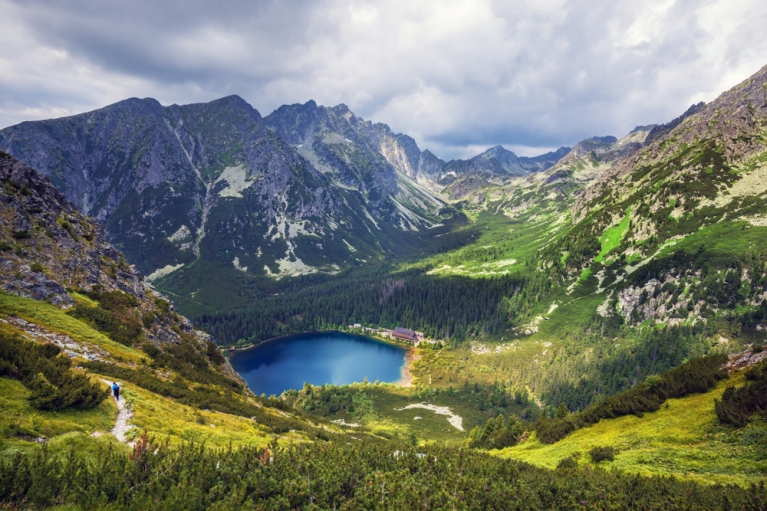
(457, 75)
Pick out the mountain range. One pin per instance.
(304, 190)
(608, 299)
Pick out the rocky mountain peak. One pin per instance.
(702, 145)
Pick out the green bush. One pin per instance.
(739, 404)
(70, 230)
(148, 319)
(214, 355)
(571, 462)
(163, 305)
(606, 453)
(47, 374)
(550, 431)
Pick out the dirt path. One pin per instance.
(122, 424)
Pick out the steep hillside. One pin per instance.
(75, 315)
(684, 212)
(683, 437)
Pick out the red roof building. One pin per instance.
(404, 334)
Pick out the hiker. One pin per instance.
(116, 391)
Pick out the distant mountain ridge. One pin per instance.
(306, 189)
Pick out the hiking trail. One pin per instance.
(122, 424)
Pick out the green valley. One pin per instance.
(586, 328)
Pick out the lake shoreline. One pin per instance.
(232, 349)
(406, 380)
(332, 357)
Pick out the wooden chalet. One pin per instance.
(404, 334)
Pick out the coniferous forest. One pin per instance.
(359, 476)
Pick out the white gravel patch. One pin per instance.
(455, 420)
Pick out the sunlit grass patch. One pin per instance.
(165, 418)
(682, 439)
(19, 420)
(57, 320)
(612, 237)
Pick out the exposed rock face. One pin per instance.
(744, 360)
(213, 183)
(337, 142)
(48, 247)
(661, 130)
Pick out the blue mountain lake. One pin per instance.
(317, 358)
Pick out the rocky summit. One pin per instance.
(194, 189)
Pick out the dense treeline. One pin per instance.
(739, 404)
(47, 375)
(579, 382)
(362, 476)
(697, 375)
(449, 308)
(497, 433)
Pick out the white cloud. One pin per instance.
(456, 75)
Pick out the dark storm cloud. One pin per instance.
(457, 75)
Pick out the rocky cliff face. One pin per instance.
(366, 157)
(49, 246)
(48, 250)
(173, 185)
(297, 193)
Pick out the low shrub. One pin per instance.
(47, 374)
(570, 462)
(738, 405)
(605, 453)
(358, 475)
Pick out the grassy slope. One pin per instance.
(164, 418)
(16, 410)
(501, 245)
(159, 416)
(56, 320)
(613, 236)
(682, 439)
